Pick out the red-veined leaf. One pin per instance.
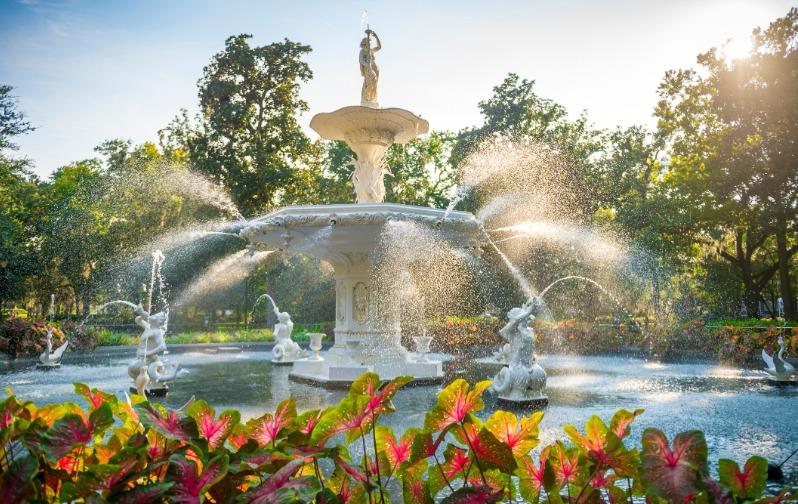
(622, 419)
(348, 416)
(454, 405)
(191, 484)
(414, 488)
(396, 452)
(281, 487)
(474, 495)
(486, 449)
(214, 430)
(15, 480)
(530, 477)
(564, 463)
(173, 425)
(521, 436)
(673, 473)
(748, 483)
(72, 430)
(142, 493)
(266, 429)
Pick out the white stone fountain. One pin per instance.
(367, 330)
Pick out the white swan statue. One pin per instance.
(778, 369)
(49, 358)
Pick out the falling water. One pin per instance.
(261, 298)
(223, 273)
(592, 282)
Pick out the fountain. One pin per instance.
(285, 350)
(367, 330)
(778, 369)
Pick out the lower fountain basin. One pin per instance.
(367, 333)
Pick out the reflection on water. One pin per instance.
(739, 412)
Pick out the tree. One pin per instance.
(731, 132)
(247, 136)
(19, 201)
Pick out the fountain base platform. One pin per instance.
(791, 382)
(155, 392)
(329, 374)
(535, 403)
(48, 367)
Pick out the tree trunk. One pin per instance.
(785, 285)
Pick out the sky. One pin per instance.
(85, 71)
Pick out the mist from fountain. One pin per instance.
(222, 274)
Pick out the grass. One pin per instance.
(753, 322)
(107, 338)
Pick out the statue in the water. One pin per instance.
(523, 380)
(369, 70)
(285, 350)
(51, 358)
(151, 347)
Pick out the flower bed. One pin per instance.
(136, 451)
(28, 338)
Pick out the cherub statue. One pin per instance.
(523, 380)
(151, 347)
(285, 349)
(369, 69)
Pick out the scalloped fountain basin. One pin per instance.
(367, 334)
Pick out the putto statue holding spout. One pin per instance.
(369, 70)
(148, 355)
(523, 380)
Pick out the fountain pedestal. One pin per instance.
(367, 331)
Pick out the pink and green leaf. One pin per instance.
(748, 483)
(520, 436)
(621, 421)
(16, 479)
(191, 483)
(673, 473)
(171, 425)
(455, 404)
(267, 429)
(214, 430)
(474, 495)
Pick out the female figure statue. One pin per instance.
(369, 70)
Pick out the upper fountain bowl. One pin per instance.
(328, 231)
(357, 125)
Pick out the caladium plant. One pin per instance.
(137, 451)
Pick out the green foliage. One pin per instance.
(135, 451)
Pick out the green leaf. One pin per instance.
(673, 472)
(15, 481)
(520, 436)
(474, 495)
(748, 483)
(455, 404)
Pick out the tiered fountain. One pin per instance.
(367, 329)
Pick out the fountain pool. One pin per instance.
(738, 411)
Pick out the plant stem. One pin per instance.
(629, 484)
(476, 460)
(510, 486)
(435, 456)
(376, 456)
(589, 479)
(366, 463)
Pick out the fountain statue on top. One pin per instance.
(367, 329)
(778, 369)
(521, 383)
(149, 371)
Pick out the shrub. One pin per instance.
(136, 451)
(26, 338)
